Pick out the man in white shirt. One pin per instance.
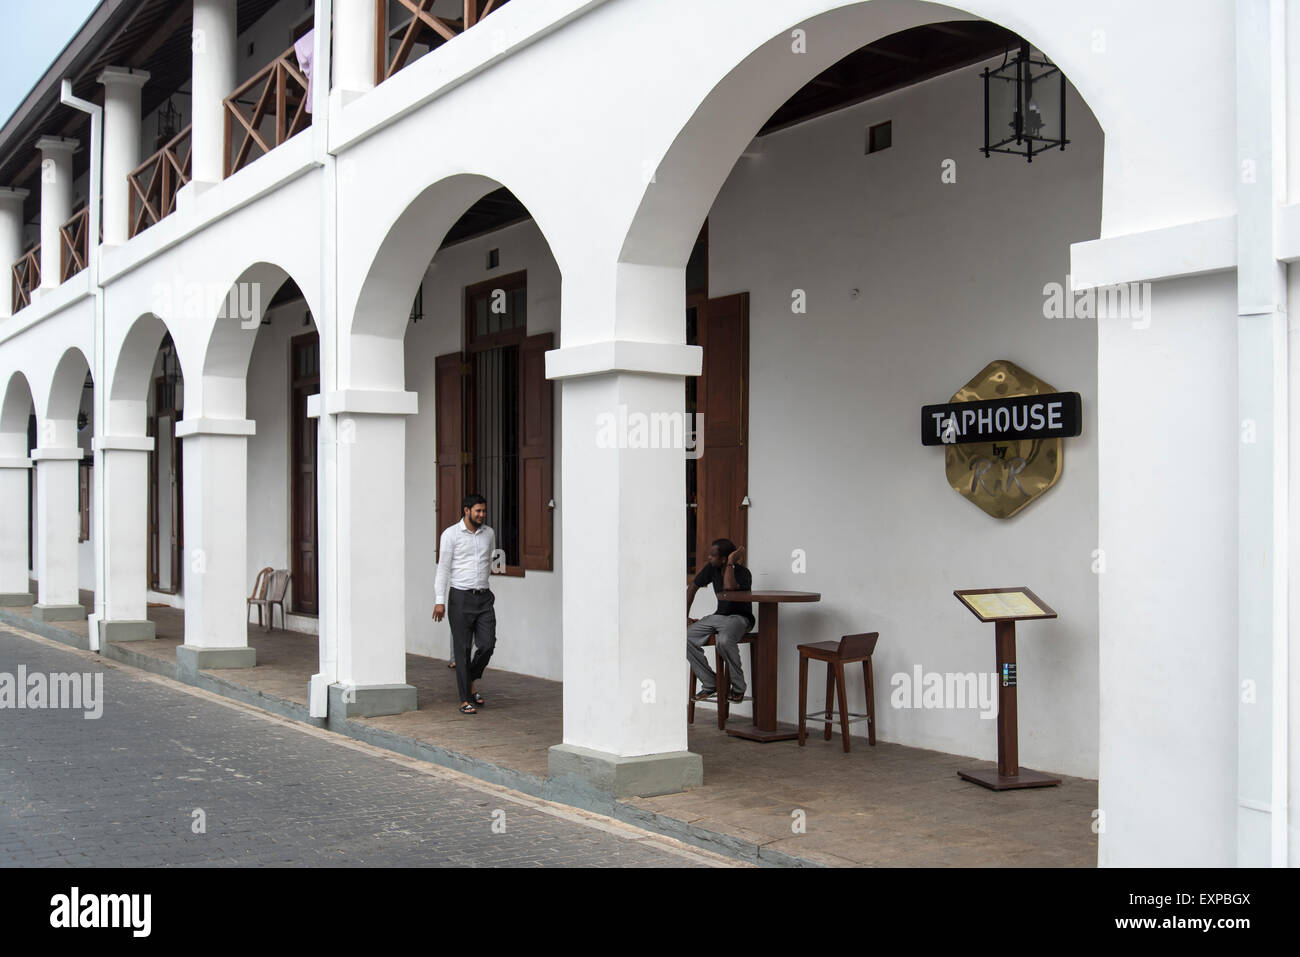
(461, 592)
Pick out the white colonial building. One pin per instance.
(323, 311)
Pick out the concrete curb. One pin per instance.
(571, 793)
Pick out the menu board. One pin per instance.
(991, 604)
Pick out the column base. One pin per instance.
(17, 598)
(58, 612)
(126, 630)
(644, 775)
(370, 701)
(191, 660)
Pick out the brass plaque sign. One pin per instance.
(1004, 476)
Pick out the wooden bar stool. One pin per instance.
(724, 706)
(848, 650)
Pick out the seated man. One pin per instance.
(730, 622)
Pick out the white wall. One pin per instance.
(951, 277)
(528, 609)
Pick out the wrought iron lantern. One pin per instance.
(1024, 105)
(169, 121)
(83, 420)
(171, 373)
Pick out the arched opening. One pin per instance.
(17, 436)
(62, 493)
(459, 307)
(839, 279)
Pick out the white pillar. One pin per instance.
(11, 243)
(121, 147)
(13, 531)
(354, 48)
(1262, 458)
(125, 461)
(216, 545)
(56, 202)
(214, 78)
(58, 524)
(370, 446)
(624, 589)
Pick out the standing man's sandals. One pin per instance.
(467, 709)
(451, 663)
(477, 699)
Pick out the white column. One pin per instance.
(11, 243)
(121, 146)
(1262, 455)
(56, 202)
(214, 78)
(354, 48)
(13, 532)
(58, 524)
(370, 448)
(215, 572)
(125, 461)
(624, 580)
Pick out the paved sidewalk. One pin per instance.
(884, 806)
(127, 789)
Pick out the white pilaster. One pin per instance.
(13, 531)
(58, 523)
(624, 589)
(11, 243)
(214, 78)
(122, 120)
(216, 544)
(56, 202)
(126, 476)
(370, 632)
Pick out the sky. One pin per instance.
(34, 34)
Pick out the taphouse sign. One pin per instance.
(1056, 415)
(1003, 435)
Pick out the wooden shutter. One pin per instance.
(723, 398)
(449, 372)
(536, 455)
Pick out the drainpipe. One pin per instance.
(1262, 450)
(94, 191)
(328, 325)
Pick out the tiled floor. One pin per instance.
(889, 805)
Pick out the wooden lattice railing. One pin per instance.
(72, 244)
(155, 182)
(423, 28)
(279, 92)
(26, 276)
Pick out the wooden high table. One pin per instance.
(763, 680)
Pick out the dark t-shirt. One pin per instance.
(711, 575)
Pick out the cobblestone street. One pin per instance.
(131, 788)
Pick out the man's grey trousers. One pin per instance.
(729, 629)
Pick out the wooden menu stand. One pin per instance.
(1004, 607)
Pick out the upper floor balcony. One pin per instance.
(145, 62)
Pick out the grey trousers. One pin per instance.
(729, 629)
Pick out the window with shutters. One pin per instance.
(494, 423)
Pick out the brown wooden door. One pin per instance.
(722, 397)
(165, 476)
(305, 379)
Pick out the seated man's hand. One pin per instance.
(438, 612)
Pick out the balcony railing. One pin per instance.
(422, 28)
(72, 244)
(277, 94)
(156, 181)
(27, 276)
